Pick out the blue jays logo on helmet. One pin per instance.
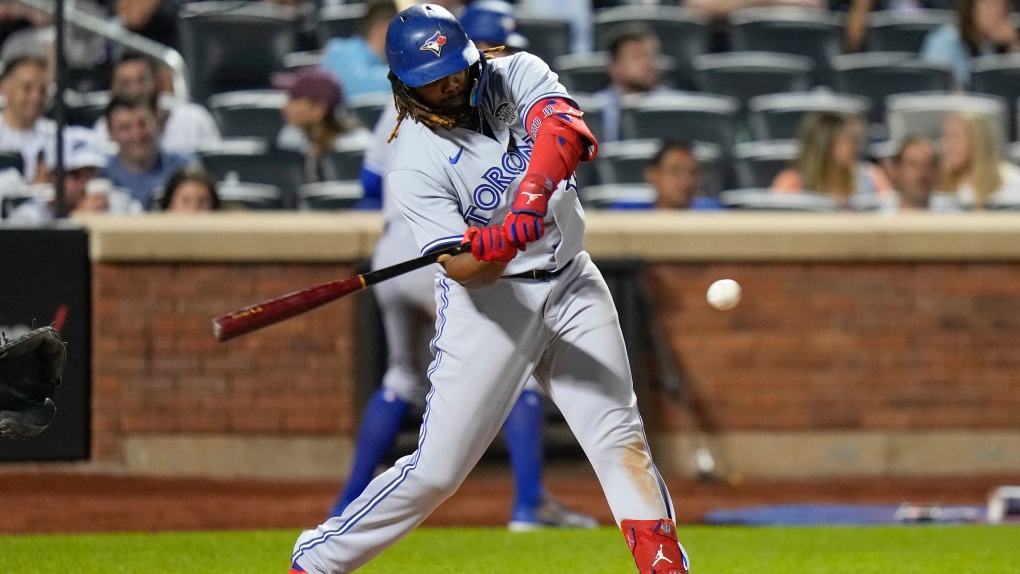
(426, 43)
(435, 44)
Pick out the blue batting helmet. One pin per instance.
(492, 22)
(425, 43)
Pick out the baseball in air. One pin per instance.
(724, 294)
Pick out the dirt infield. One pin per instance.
(44, 502)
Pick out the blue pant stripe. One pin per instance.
(379, 497)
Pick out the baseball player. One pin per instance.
(483, 153)
(408, 309)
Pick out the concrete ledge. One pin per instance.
(651, 235)
(844, 454)
(231, 456)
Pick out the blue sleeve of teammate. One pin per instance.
(371, 182)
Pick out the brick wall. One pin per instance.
(889, 347)
(158, 370)
(812, 347)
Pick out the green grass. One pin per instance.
(713, 550)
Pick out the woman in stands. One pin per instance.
(190, 189)
(829, 161)
(317, 123)
(972, 165)
(983, 27)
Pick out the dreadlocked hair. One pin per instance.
(409, 106)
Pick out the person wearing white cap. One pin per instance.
(84, 190)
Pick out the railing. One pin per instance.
(117, 33)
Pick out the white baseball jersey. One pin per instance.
(445, 182)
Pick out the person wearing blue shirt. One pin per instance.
(983, 28)
(139, 166)
(676, 176)
(360, 61)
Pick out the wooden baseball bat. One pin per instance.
(226, 327)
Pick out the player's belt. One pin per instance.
(539, 274)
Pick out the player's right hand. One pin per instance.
(490, 244)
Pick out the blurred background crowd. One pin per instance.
(706, 104)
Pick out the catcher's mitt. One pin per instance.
(30, 370)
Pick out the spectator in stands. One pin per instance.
(23, 128)
(634, 52)
(829, 160)
(972, 165)
(675, 174)
(360, 61)
(83, 190)
(190, 189)
(185, 126)
(856, 30)
(983, 28)
(139, 166)
(317, 122)
(914, 171)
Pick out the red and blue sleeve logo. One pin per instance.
(434, 44)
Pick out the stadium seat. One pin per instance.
(814, 33)
(632, 196)
(778, 116)
(683, 34)
(745, 75)
(251, 113)
(12, 159)
(368, 107)
(254, 161)
(758, 163)
(583, 73)
(83, 109)
(297, 61)
(548, 39)
(330, 195)
(692, 117)
(998, 75)
(234, 45)
(344, 163)
(877, 75)
(340, 21)
(899, 31)
(923, 114)
(248, 196)
(768, 200)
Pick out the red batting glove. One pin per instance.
(490, 244)
(526, 221)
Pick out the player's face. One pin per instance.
(675, 179)
(25, 92)
(450, 92)
(956, 145)
(136, 133)
(133, 79)
(191, 197)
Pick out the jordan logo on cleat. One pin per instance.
(660, 556)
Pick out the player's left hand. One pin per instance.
(490, 244)
(526, 221)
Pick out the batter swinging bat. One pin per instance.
(261, 315)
